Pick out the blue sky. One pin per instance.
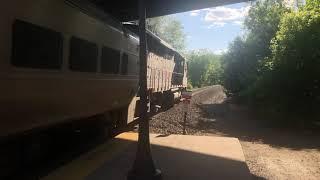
(213, 28)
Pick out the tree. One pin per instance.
(170, 30)
(244, 63)
(240, 66)
(276, 66)
(204, 68)
(295, 59)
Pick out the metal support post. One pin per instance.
(143, 167)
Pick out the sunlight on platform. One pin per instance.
(178, 156)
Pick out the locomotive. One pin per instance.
(63, 60)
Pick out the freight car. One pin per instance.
(166, 73)
(63, 60)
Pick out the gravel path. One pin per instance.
(270, 153)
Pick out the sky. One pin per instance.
(213, 28)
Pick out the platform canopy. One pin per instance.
(127, 10)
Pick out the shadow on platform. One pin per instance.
(179, 157)
(175, 164)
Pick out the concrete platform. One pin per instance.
(180, 157)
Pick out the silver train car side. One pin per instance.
(62, 60)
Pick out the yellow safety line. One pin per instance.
(89, 162)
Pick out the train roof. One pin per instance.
(155, 43)
(127, 10)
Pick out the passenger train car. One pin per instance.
(66, 61)
(61, 60)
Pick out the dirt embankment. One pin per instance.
(271, 153)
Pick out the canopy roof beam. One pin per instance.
(127, 10)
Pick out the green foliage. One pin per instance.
(189, 86)
(240, 66)
(204, 68)
(313, 5)
(170, 30)
(295, 58)
(244, 63)
(277, 65)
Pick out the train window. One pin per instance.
(83, 55)
(36, 47)
(124, 64)
(110, 60)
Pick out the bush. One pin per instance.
(189, 86)
(282, 75)
(204, 68)
(295, 60)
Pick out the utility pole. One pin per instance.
(143, 166)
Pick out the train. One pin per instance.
(63, 60)
(67, 66)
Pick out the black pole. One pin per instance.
(184, 123)
(143, 166)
